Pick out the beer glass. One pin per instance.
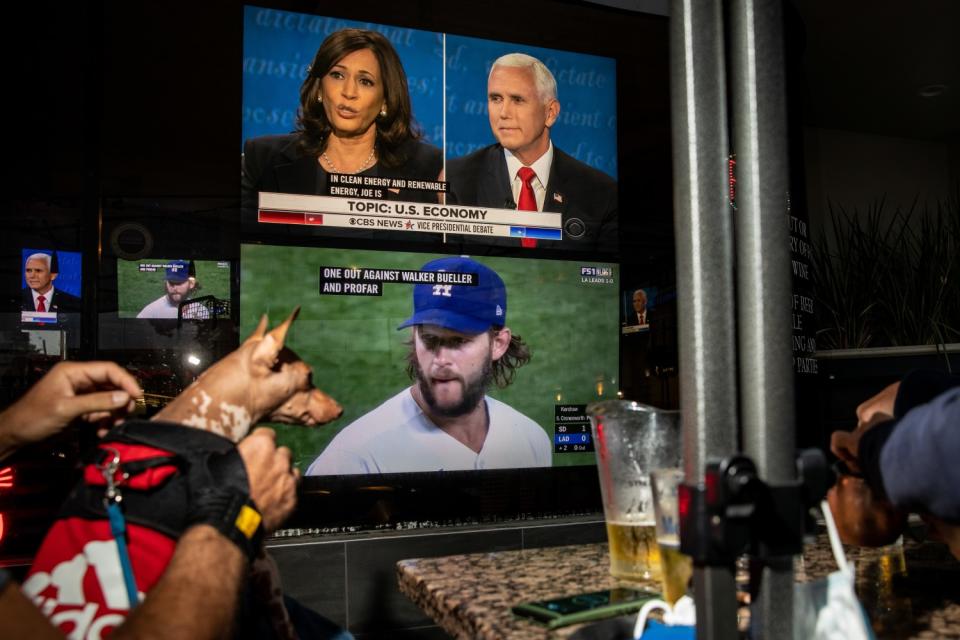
(676, 567)
(631, 440)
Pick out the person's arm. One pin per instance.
(880, 404)
(95, 391)
(863, 514)
(894, 401)
(201, 585)
(197, 595)
(865, 510)
(920, 387)
(914, 460)
(19, 618)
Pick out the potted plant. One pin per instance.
(887, 300)
(888, 279)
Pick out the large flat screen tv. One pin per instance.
(458, 184)
(353, 305)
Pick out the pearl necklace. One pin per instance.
(365, 165)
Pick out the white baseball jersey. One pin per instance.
(398, 437)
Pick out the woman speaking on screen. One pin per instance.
(354, 118)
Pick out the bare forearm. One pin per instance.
(9, 423)
(197, 595)
(20, 619)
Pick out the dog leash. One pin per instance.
(118, 525)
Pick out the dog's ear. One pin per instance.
(259, 332)
(279, 332)
(269, 347)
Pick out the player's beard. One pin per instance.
(473, 392)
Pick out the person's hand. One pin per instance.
(871, 412)
(881, 404)
(94, 391)
(273, 483)
(862, 517)
(846, 444)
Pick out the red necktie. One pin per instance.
(528, 201)
(40, 305)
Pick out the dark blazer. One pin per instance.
(63, 302)
(274, 163)
(632, 318)
(586, 197)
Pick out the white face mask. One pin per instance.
(828, 609)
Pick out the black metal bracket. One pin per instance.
(734, 512)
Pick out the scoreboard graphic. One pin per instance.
(571, 429)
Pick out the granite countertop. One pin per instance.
(470, 596)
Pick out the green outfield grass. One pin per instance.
(358, 355)
(136, 289)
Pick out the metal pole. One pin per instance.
(704, 242)
(763, 273)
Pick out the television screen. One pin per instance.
(518, 144)
(50, 285)
(412, 396)
(165, 289)
(636, 308)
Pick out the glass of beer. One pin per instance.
(631, 440)
(677, 567)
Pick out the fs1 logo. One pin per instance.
(596, 272)
(596, 275)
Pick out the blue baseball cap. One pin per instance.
(178, 270)
(460, 307)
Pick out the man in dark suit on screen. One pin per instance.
(639, 316)
(525, 171)
(39, 272)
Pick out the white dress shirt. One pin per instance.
(541, 167)
(47, 299)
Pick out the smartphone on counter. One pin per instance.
(584, 607)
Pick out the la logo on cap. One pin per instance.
(470, 308)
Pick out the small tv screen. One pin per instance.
(50, 285)
(419, 349)
(364, 130)
(168, 289)
(637, 307)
